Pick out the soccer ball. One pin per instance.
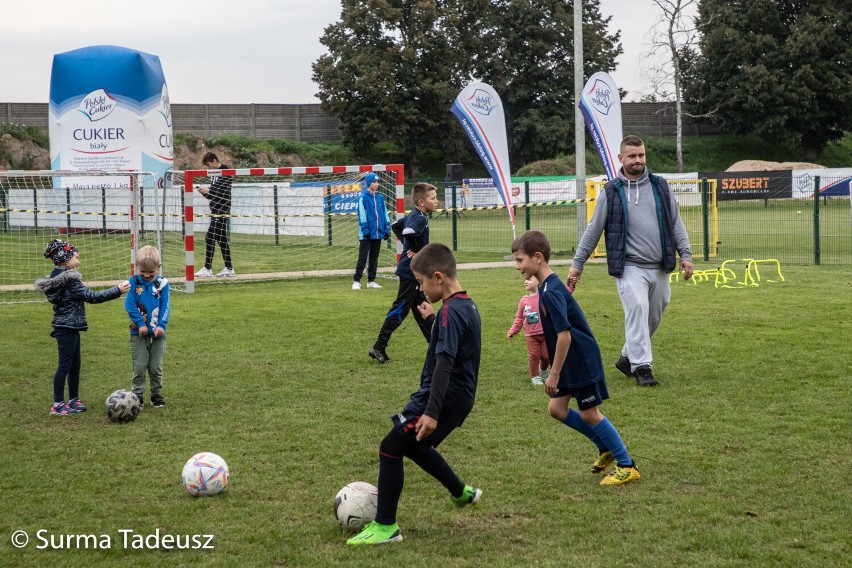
(122, 406)
(205, 473)
(355, 505)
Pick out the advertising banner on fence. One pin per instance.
(833, 182)
(110, 111)
(600, 104)
(481, 192)
(752, 185)
(480, 112)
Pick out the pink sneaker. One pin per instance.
(61, 409)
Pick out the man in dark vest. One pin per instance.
(643, 231)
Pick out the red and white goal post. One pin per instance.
(288, 221)
(284, 222)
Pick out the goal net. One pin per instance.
(106, 215)
(282, 222)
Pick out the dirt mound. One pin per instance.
(763, 166)
(24, 155)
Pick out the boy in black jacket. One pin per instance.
(415, 236)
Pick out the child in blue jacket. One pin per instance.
(147, 304)
(373, 228)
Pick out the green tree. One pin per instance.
(778, 68)
(531, 66)
(392, 70)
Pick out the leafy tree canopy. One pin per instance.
(394, 68)
(777, 68)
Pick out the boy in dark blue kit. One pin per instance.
(441, 404)
(414, 236)
(576, 368)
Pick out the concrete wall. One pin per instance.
(308, 122)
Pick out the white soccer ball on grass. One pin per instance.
(355, 505)
(205, 473)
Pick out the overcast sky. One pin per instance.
(217, 51)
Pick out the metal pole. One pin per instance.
(705, 214)
(328, 212)
(275, 211)
(816, 221)
(455, 219)
(579, 122)
(527, 196)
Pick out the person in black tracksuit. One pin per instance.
(415, 236)
(219, 195)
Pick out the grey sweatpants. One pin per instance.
(644, 293)
(147, 356)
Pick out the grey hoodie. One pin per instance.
(642, 246)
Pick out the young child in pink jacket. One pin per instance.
(527, 318)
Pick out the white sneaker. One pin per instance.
(536, 381)
(372, 285)
(227, 272)
(204, 273)
(357, 285)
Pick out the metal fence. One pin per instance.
(809, 230)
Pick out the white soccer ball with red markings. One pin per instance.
(355, 505)
(205, 473)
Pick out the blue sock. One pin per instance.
(609, 436)
(575, 421)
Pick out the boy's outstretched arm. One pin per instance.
(563, 343)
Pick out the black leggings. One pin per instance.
(368, 249)
(408, 298)
(392, 473)
(217, 232)
(69, 366)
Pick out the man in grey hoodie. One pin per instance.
(638, 214)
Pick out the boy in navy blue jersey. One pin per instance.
(415, 236)
(576, 368)
(443, 401)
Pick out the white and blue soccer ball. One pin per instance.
(123, 406)
(355, 505)
(205, 473)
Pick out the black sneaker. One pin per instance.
(157, 401)
(379, 355)
(141, 398)
(644, 378)
(623, 365)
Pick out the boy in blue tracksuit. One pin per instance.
(414, 233)
(147, 304)
(373, 228)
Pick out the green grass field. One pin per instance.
(743, 448)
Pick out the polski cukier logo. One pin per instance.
(97, 105)
(165, 107)
(601, 97)
(481, 102)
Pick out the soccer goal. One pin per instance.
(283, 222)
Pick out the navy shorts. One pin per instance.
(588, 396)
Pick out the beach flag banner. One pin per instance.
(480, 111)
(600, 104)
